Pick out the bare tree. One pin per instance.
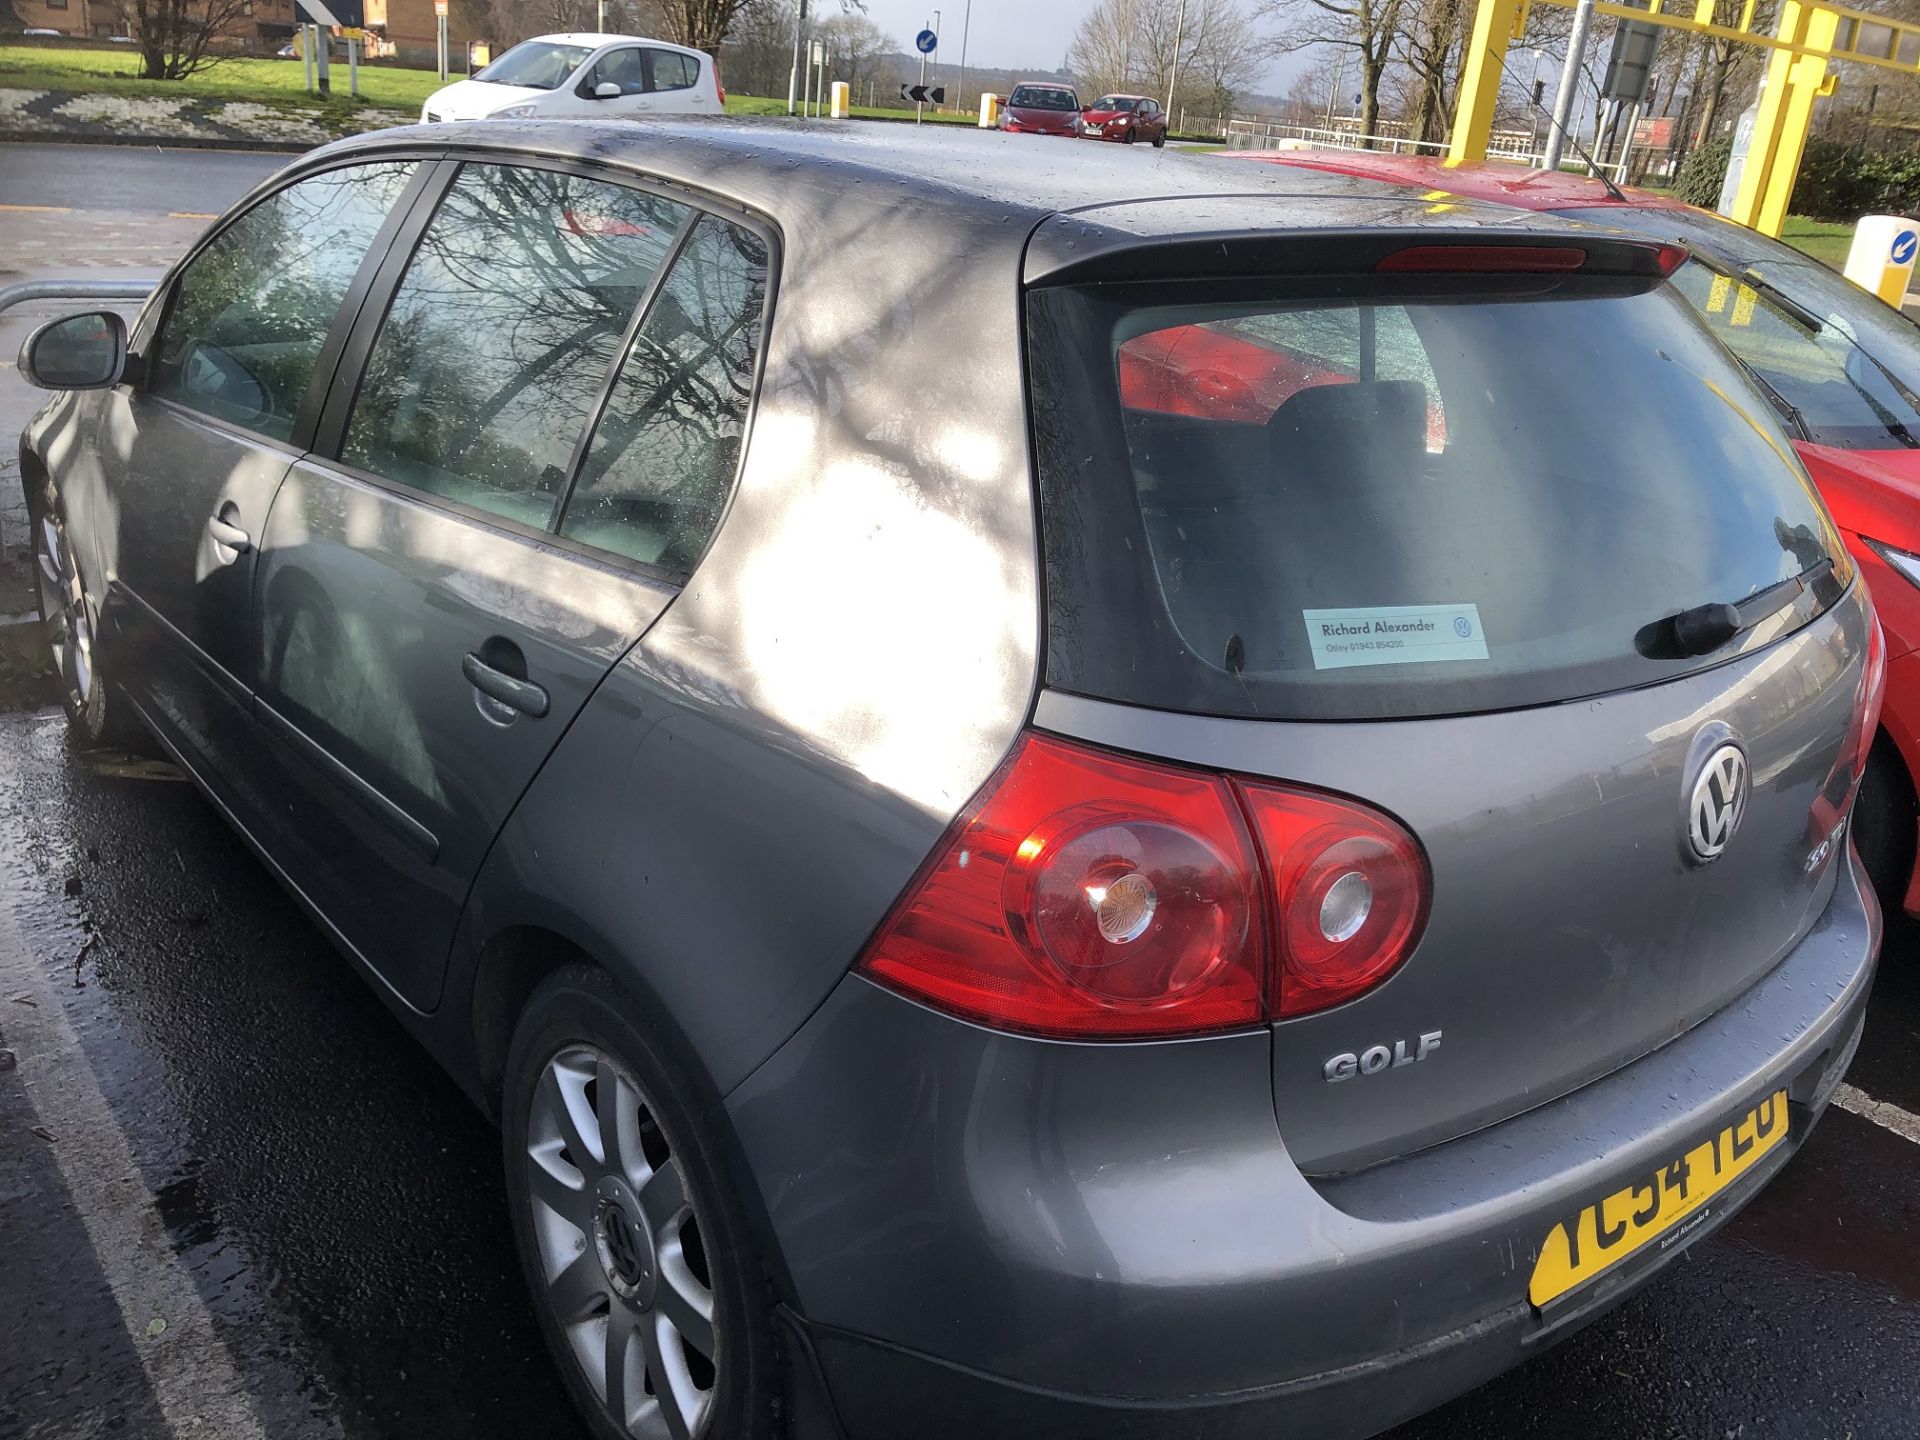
(1134, 45)
(1432, 52)
(1371, 28)
(702, 24)
(178, 37)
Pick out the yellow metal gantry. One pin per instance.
(1807, 35)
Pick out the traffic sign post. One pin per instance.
(1881, 258)
(925, 42)
(440, 35)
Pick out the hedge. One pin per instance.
(1837, 182)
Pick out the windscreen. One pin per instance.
(535, 65)
(1409, 504)
(1836, 393)
(1883, 332)
(1115, 102)
(1042, 97)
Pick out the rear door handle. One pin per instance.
(231, 536)
(523, 695)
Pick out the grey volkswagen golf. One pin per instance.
(1047, 798)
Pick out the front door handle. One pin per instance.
(522, 695)
(231, 536)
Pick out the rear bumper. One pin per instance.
(994, 1235)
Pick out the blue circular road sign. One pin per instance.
(925, 41)
(1904, 245)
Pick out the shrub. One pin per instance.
(1702, 173)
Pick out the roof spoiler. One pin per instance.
(1096, 253)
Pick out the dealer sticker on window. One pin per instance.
(1394, 635)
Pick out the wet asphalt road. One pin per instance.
(236, 1200)
(330, 1201)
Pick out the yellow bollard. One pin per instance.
(989, 112)
(839, 98)
(1881, 260)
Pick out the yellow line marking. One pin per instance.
(190, 215)
(41, 209)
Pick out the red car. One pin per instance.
(1840, 366)
(1125, 119)
(1041, 108)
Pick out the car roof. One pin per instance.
(596, 39)
(1504, 184)
(1121, 95)
(888, 181)
(860, 165)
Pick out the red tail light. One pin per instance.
(721, 89)
(1866, 704)
(1350, 890)
(1095, 895)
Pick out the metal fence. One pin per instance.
(1278, 135)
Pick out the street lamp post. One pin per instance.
(966, 24)
(1173, 75)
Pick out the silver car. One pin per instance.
(1047, 799)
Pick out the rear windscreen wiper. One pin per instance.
(1705, 628)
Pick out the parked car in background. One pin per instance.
(1843, 369)
(603, 76)
(1041, 109)
(1125, 119)
(987, 899)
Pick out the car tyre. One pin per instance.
(1160, 140)
(1884, 823)
(1132, 135)
(96, 714)
(644, 1277)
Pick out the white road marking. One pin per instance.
(198, 1388)
(1882, 1113)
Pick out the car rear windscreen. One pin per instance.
(1399, 502)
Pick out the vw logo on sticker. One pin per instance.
(1463, 627)
(1904, 244)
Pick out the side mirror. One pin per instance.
(606, 90)
(81, 352)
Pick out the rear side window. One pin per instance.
(1830, 386)
(673, 71)
(492, 356)
(663, 456)
(252, 310)
(1266, 504)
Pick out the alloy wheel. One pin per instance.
(63, 606)
(620, 1246)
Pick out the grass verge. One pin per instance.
(113, 70)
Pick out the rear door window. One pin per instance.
(251, 311)
(1270, 504)
(494, 351)
(662, 460)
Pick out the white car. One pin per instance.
(611, 75)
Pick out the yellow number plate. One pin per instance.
(1604, 1234)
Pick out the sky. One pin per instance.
(1011, 34)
